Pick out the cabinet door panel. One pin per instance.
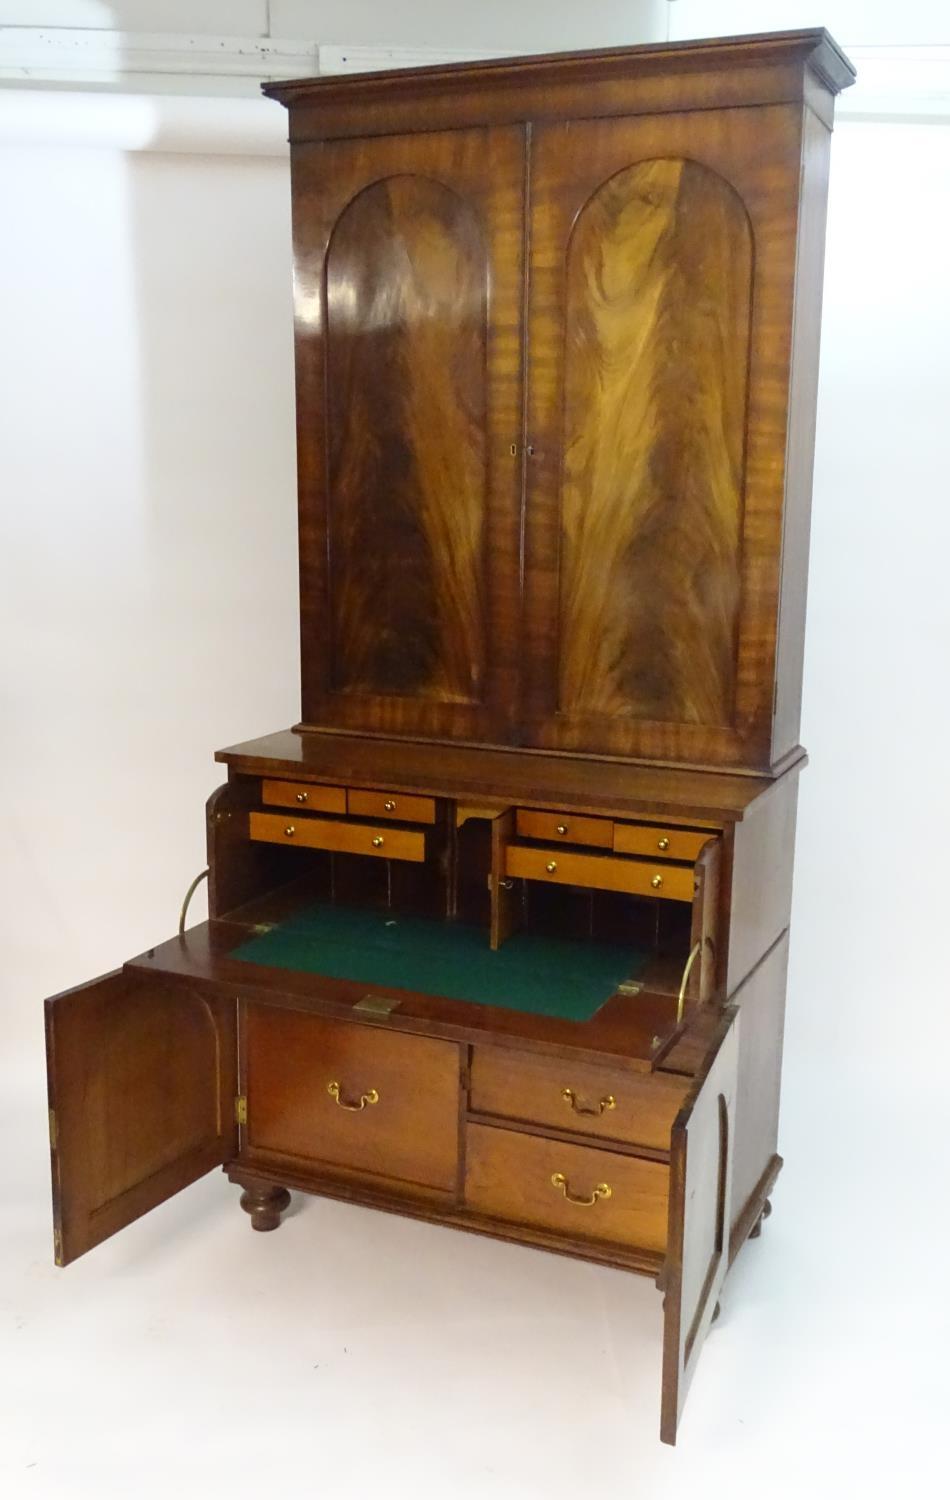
(701, 1171)
(662, 260)
(142, 1078)
(409, 272)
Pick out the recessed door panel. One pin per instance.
(662, 259)
(409, 272)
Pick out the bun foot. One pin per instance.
(265, 1205)
(756, 1229)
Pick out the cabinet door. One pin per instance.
(409, 276)
(661, 275)
(701, 1158)
(142, 1080)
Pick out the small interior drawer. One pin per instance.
(353, 1098)
(578, 1191)
(348, 838)
(564, 828)
(600, 872)
(391, 805)
(659, 843)
(637, 1108)
(305, 795)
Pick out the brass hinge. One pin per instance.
(52, 1130)
(240, 1109)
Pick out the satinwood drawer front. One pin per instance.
(600, 871)
(347, 838)
(661, 843)
(565, 829)
(309, 798)
(637, 1108)
(576, 1191)
(391, 805)
(353, 1098)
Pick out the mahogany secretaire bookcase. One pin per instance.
(498, 933)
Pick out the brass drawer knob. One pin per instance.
(657, 882)
(302, 796)
(333, 1089)
(290, 830)
(378, 841)
(569, 1097)
(562, 828)
(663, 843)
(602, 1190)
(389, 805)
(551, 866)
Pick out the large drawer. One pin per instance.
(347, 838)
(636, 1108)
(576, 1191)
(601, 872)
(352, 1098)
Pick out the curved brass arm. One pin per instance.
(187, 901)
(696, 949)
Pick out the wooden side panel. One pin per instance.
(760, 878)
(803, 400)
(661, 286)
(507, 900)
(142, 1078)
(761, 1002)
(408, 279)
(701, 1171)
(657, 318)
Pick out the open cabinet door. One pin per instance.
(700, 1216)
(142, 1078)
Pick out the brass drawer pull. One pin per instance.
(333, 1089)
(562, 828)
(551, 866)
(302, 796)
(663, 843)
(378, 841)
(602, 1190)
(290, 830)
(657, 882)
(569, 1097)
(389, 805)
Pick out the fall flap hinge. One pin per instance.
(240, 1109)
(52, 1130)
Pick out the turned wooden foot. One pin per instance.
(756, 1229)
(265, 1205)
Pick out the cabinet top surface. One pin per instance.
(813, 47)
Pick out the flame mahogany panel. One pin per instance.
(662, 268)
(409, 274)
(659, 272)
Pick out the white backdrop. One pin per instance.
(149, 615)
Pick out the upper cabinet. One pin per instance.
(408, 295)
(557, 335)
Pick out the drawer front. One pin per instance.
(391, 805)
(576, 1191)
(638, 1109)
(600, 871)
(348, 838)
(562, 828)
(659, 843)
(352, 1098)
(302, 795)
